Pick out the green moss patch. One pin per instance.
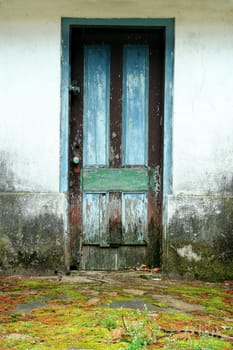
(77, 315)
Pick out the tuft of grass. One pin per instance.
(109, 322)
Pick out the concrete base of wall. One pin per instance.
(198, 242)
(31, 233)
(198, 237)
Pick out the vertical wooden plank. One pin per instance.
(115, 221)
(95, 219)
(135, 104)
(103, 219)
(155, 148)
(91, 222)
(156, 85)
(96, 104)
(134, 217)
(75, 147)
(76, 113)
(116, 105)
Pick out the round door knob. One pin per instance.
(76, 160)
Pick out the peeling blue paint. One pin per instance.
(95, 218)
(134, 218)
(96, 105)
(168, 110)
(135, 104)
(64, 126)
(168, 25)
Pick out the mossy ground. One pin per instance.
(76, 313)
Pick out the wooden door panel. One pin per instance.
(115, 219)
(96, 105)
(134, 218)
(112, 179)
(95, 219)
(135, 104)
(91, 222)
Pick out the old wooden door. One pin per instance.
(116, 98)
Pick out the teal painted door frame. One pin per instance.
(168, 25)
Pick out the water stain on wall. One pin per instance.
(31, 235)
(7, 176)
(199, 240)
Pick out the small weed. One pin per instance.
(109, 322)
(140, 331)
(136, 343)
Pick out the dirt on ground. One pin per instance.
(114, 310)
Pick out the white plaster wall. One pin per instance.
(203, 105)
(203, 85)
(29, 123)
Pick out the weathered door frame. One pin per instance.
(168, 26)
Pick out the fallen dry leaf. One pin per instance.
(116, 334)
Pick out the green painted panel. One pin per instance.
(103, 179)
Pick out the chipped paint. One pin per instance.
(96, 105)
(135, 104)
(134, 218)
(95, 219)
